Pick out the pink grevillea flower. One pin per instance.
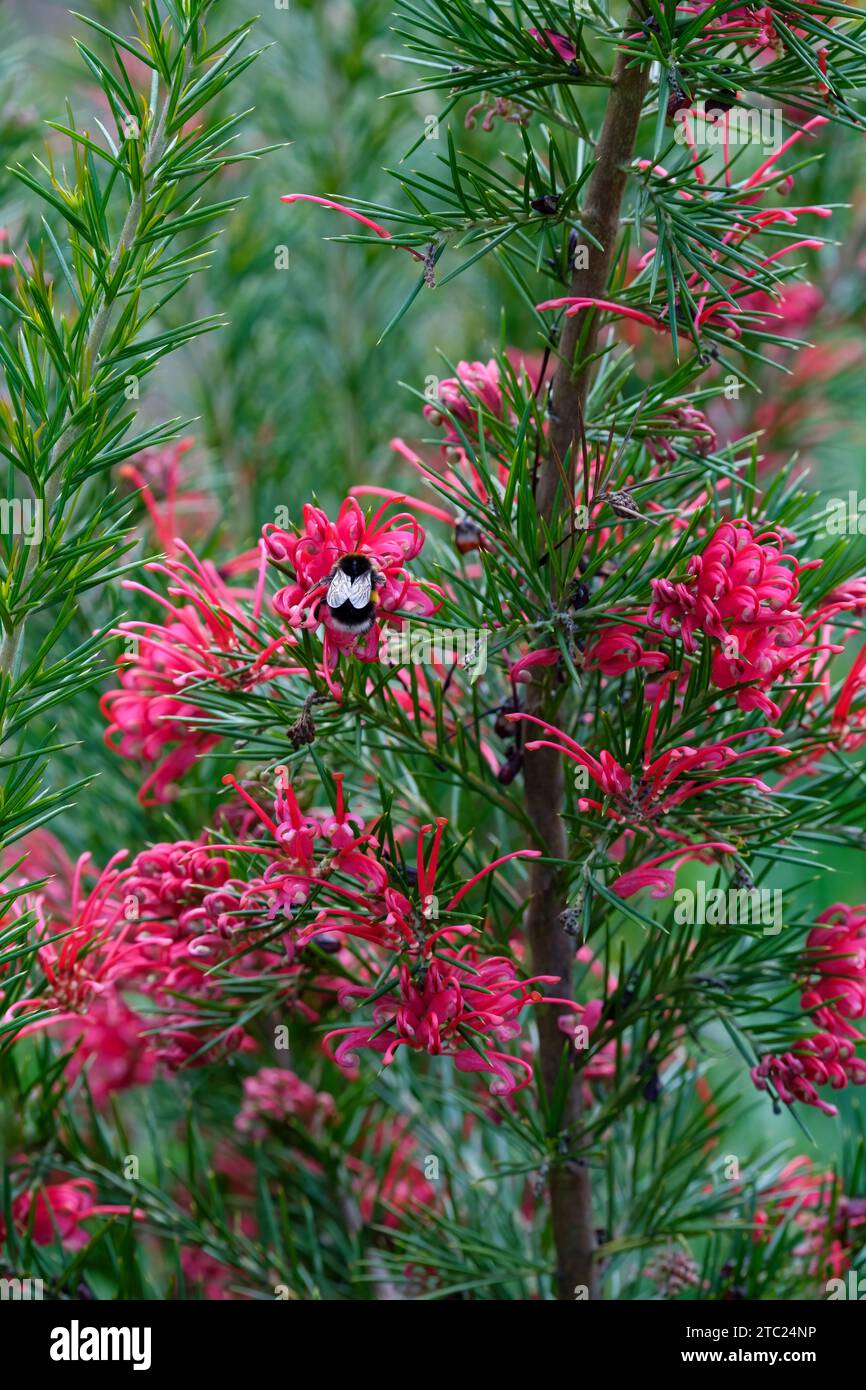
(620, 647)
(191, 915)
(557, 43)
(791, 312)
(741, 591)
(313, 851)
(458, 398)
(392, 921)
(211, 633)
(83, 972)
(831, 1220)
(849, 596)
(821, 1060)
(87, 959)
(835, 958)
(147, 931)
(836, 952)
(383, 545)
(172, 508)
(721, 308)
(215, 1281)
(276, 1096)
(685, 420)
(643, 797)
(596, 1050)
(749, 25)
(454, 1005)
(57, 1212)
(798, 1187)
(848, 722)
(350, 212)
(110, 1045)
(403, 1187)
(153, 930)
(40, 855)
(466, 404)
(661, 881)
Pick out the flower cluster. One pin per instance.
(640, 797)
(211, 632)
(831, 1221)
(275, 1096)
(452, 1003)
(740, 592)
(58, 1210)
(731, 309)
(179, 927)
(458, 400)
(835, 958)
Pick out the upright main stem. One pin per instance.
(552, 947)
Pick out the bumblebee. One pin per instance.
(352, 594)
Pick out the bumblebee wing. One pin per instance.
(360, 590)
(339, 589)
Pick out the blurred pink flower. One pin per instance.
(276, 1095)
(57, 1211)
(211, 633)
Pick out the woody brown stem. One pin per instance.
(552, 947)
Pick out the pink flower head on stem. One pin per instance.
(325, 555)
